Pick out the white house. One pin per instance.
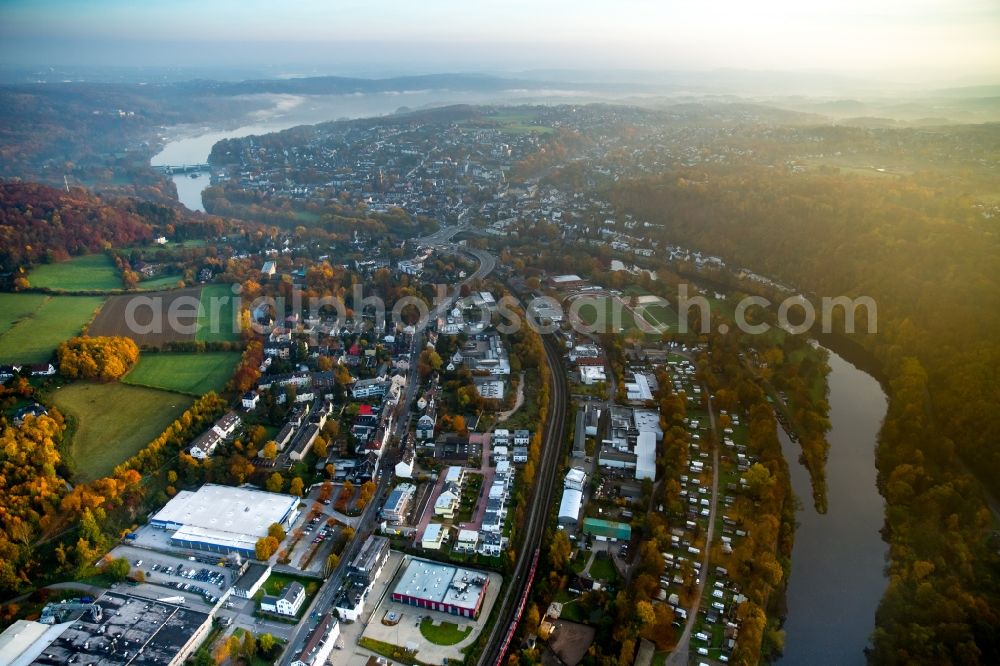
(227, 425)
(447, 503)
(320, 643)
(434, 536)
(287, 603)
(521, 437)
(368, 388)
(467, 541)
(404, 468)
(490, 544)
(425, 426)
(205, 444)
(455, 474)
(250, 400)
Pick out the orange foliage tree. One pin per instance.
(106, 358)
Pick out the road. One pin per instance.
(323, 601)
(681, 655)
(538, 513)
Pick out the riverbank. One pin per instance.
(838, 557)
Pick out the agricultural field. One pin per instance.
(151, 306)
(190, 373)
(92, 272)
(114, 421)
(608, 313)
(33, 325)
(14, 307)
(517, 121)
(216, 322)
(159, 283)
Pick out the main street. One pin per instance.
(323, 601)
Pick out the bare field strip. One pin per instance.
(151, 319)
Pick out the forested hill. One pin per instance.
(40, 224)
(929, 257)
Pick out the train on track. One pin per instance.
(512, 629)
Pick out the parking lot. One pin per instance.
(183, 574)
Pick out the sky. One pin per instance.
(938, 39)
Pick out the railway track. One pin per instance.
(513, 603)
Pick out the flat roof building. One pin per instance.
(22, 641)
(592, 374)
(223, 519)
(398, 503)
(371, 558)
(645, 456)
(132, 631)
(607, 530)
(434, 536)
(442, 587)
(253, 578)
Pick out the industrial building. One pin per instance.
(126, 630)
(572, 498)
(223, 519)
(607, 530)
(442, 587)
(566, 281)
(631, 442)
(638, 390)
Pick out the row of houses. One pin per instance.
(205, 444)
(34, 370)
(360, 577)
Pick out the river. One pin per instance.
(837, 563)
(193, 144)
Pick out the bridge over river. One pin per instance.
(182, 168)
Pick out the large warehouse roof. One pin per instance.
(645, 456)
(444, 583)
(572, 500)
(224, 513)
(648, 420)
